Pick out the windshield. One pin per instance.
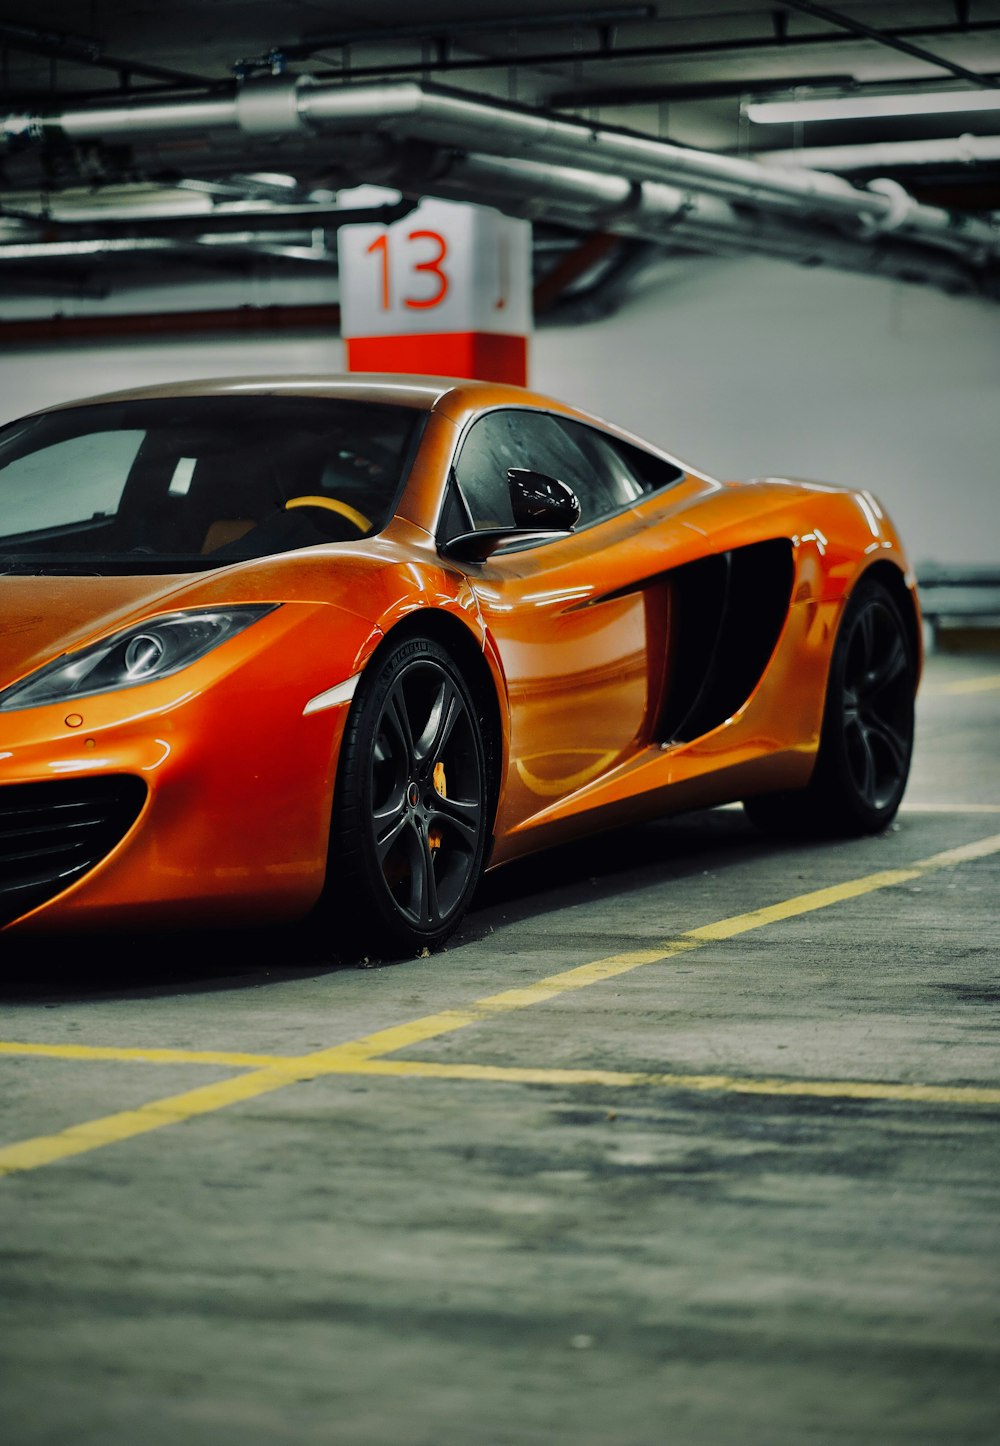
(183, 483)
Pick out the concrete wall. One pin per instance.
(744, 367)
(757, 367)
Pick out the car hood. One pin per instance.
(45, 616)
(42, 617)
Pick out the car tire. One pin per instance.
(410, 817)
(866, 741)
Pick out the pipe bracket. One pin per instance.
(268, 107)
(900, 207)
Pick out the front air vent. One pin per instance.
(52, 832)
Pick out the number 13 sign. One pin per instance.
(433, 265)
(444, 289)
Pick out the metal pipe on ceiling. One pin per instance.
(56, 250)
(655, 212)
(453, 119)
(267, 111)
(270, 110)
(228, 218)
(190, 115)
(205, 248)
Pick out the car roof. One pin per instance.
(419, 392)
(457, 399)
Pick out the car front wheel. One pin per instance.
(410, 819)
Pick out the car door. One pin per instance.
(578, 621)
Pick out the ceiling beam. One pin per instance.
(521, 58)
(561, 20)
(85, 50)
(887, 38)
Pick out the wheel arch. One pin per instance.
(893, 580)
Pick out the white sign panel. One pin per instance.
(446, 267)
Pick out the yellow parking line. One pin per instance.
(78, 1139)
(127, 1124)
(357, 1055)
(404, 1036)
(717, 1083)
(142, 1056)
(432, 1026)
(804, 904)
(965, 853)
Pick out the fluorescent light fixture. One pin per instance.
(863, 107)
(957, 151)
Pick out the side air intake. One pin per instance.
(726, 615)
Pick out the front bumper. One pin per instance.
(207, 795)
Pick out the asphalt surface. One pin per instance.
(724, 1178)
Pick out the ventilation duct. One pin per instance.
(589, 175)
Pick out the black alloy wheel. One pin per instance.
(866, 743)
(410, 816)
(876, 705)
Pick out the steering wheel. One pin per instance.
(333, 504)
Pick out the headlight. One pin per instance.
(141, 654)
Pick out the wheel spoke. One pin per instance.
(445, 712)
(462, 816)
(866, 635)
(398, 720)
(423, 893)
(868, 787)
(389, 824)
(893, 742)
(862, 759)
(890, 667)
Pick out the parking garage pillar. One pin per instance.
(446, 291)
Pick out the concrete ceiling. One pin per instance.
(675, 71)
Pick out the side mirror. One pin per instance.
(542, 502)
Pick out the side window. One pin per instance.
(651, 471)
(72, 480)
(629, 471)
(521, 438)
(606, 474)
(490, 447)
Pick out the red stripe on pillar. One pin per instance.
(483, 355)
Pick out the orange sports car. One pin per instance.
(272, 647)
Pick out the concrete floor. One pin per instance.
(732, 1185)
